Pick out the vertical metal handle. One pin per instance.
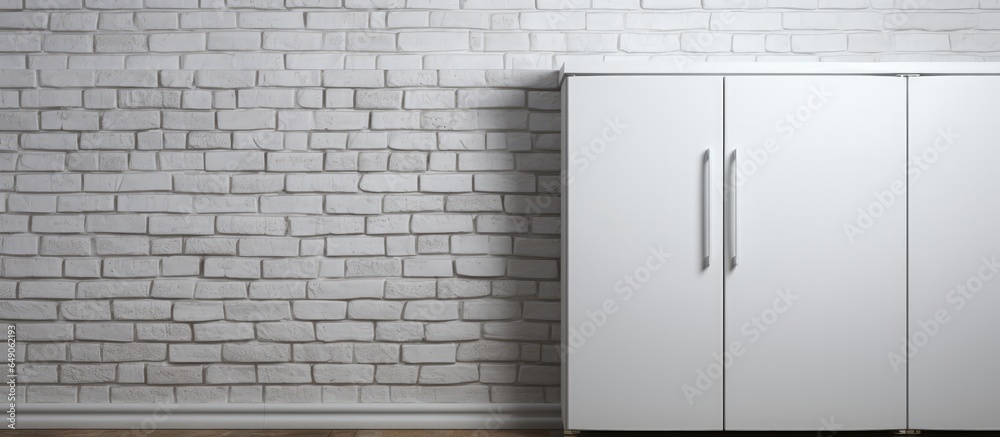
(735, 201)
(706, 241)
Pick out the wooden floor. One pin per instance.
(435, 433)
(279, 433)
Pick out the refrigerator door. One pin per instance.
(954, 332)
(643, 251)
(817, 226)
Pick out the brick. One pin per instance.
(50, 141)
(18, 120)
(223, 331)
(486, 350)
(121, 43)
(268, 247)
(373, 267)
(329, 183)
(413, 203)
(184, 225)
(79, 21)
(504, 182)
(323, 352)
(284, 373)
(130, 268)
(353, 79)
(230, 374)
(255, 225)
(292, 394)
(161, 374)
(315, 60)
(232, 268)
(449, 374)
(195, 353)
(399, 331)
(212, 20)
(427, 268)
(180, 119)
(233, 41)
(272, 20)
(49, 394)
(19, 245)
(307, 226)
(32, 268)
(177, 42)
(429, 99)
(256, 352)
(431, 311)
(325, 120)
(291, 41)
(374, 310)
(343, 373)
(441, 183)
(497, 373)
(105, 331)
(85, 310)
(247, 119)
(172, 288)
(291, 268)
(257, 311)
(141, 310)
(37, 373)
(131, 394)
(87, 373)
(130, 120)
(336, 20)
(355, 246)
(294, 162)
(128, 352)
(480, 267)
(85, 352)
(429, 353)
(112, 289)
(441, 223)
(257, 183)
(285, 331)
(202, 394)
(396, 374)
(44, 332)
(376, 353)
(210, 246)
(490, 310)
(126, 182)
(198, 311)
(453, 331)
(21, 43)
(278, 290)
(290, 78)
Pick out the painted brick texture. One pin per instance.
(303, 201)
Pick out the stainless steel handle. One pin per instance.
(735, 202)
(706, 241)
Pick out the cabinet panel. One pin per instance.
(817, 297)
(643, 310)
(954, 332)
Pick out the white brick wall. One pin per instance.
(334, 200)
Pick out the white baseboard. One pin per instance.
(289, 416)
